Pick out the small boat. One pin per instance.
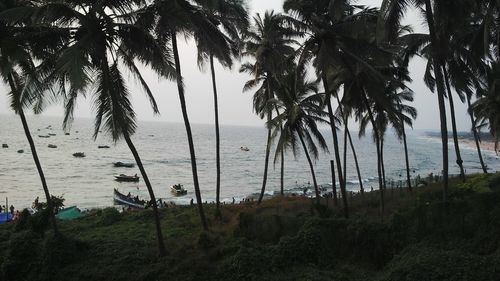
(69, 213)
(122, 199)
(244, 148)
(52, 146)
(52, 135)
(126, 178)
(44, 136)
(124, 165)
(103, 146)
(5, 145)
(79, 154)
(178, 190)
(20, 151)
(66, 134)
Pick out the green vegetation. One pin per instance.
(421, 238)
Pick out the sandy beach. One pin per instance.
(485, 145)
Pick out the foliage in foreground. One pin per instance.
(284, 239)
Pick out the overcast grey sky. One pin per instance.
(235, 106)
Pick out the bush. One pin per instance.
(108, 216)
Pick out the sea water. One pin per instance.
(89, 182)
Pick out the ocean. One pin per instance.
(89, 182)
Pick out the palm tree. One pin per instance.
(300, 110)
(20, 45)
(390, 17)
(486, 108)
(269, 42)
(103, 41)
(231, 16)
(167, 19)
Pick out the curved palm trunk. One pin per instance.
(268, 146)
(336, 147)
(476, 135)
(36, 159)
(460, 162)
(282, 172)
(440, 93)
(360, 179)
(334, 185)
(408, 178)
(377, 143)
(311, 166)
(159, 235)
(345, 150)
(217, 133)
(382, 165)
(188, 132)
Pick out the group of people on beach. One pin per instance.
(15, 213)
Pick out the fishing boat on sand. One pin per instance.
(127, 200)
(178, 190)
(126, 178)
(123, 165)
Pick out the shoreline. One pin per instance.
(469, 142)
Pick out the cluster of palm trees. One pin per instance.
(319, 54)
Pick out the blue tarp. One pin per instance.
(5, 217)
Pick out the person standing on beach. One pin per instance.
(12, 209)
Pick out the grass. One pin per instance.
(418, 238)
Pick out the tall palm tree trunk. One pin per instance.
(311, 166)
(268, 145)
(34, 153)
(334, 184)
(476, 135)
(408, 178)
(354, 155)
(159, 235)
(217, 133)
(336, 147)
(377, 143)
(345, 150)
(440, 93)
(282, 156)
(460, 162)
(182, 99)
(382, 165)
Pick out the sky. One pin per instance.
(235, 106)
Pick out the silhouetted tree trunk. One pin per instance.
(440, 93)
(382, 165)
(159, 235)
(460, 162)
(377, 143)
(182, 99)
(408, 178)
(334, 184)
(311, 166)
(217, 134)
(268, 145)
(282, 171)
(20, 112)
(360, 179)
(476, 135)
(336, 146)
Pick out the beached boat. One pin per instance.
(79, 154)
(123, 165)
(5, 217)
(129, 201)
(52, 146)
(126, 178)
(69, 213)
(178, 190)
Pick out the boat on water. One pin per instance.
(69, 213)
(52, 146)
(103, 146)
(132, 202)
(5, 145)
(178, 190)
(44, 136)
(126, 178)
(123, 165)
(20, 151)
(244, 148)
(52, 135)
(79, 154)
